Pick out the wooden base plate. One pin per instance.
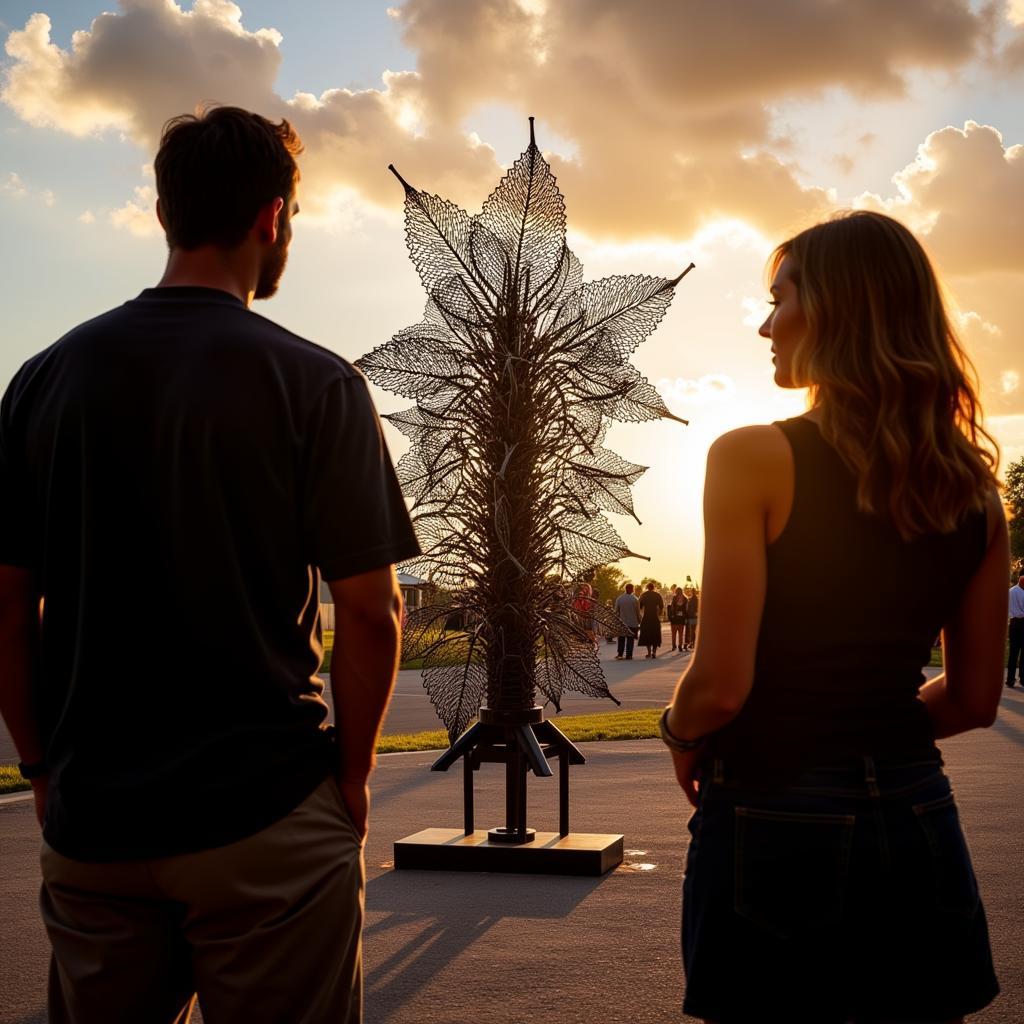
(450, 849)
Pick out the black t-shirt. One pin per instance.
(177, 474)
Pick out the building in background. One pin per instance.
(412, 588)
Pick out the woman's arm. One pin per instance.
(966, 696)
(748, 472)
(748, 491)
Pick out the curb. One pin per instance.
(15, 798)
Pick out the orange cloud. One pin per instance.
(965, 193)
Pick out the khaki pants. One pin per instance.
(267, 929)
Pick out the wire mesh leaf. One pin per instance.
(455, 683)
(563, 301)
(489, 256)
(437, 234)
(416, 361)
(606, 479)
(589, 542)
(526, 214)
(568, 663)
(622, 312)
(424, 629)
(641, 402)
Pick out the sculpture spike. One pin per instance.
(405, 184)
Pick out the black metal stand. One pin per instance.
(522, 747)
(523, 741)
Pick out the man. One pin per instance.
(627, 608)
(1014, 668)
(203, 831)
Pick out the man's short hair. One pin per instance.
(216, 169)
(629, 588)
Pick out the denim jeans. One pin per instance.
(846, 895)
(626, 644)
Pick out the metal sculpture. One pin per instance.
(515, 370)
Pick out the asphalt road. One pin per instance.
(475, 949)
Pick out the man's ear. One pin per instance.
(266, 224)
(160, 214)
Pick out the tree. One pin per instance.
(658, 585)
(609, 581)
(1014, 498)
(515, 370)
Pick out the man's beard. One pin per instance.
(272, 269)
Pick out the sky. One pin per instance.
(679, 131)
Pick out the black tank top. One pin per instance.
(850, 614)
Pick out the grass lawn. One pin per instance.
(608, 725)
(11, 780)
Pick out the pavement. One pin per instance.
(475, 949)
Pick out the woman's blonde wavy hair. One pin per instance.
(896, 391)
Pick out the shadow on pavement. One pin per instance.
(443, 915)
(1011, 732)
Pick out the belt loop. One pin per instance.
(717, 771)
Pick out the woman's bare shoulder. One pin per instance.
(762, 447)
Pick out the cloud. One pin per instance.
(131, 71)
(712, 387)
(964, 192)
(995, 340)
(16, 187)
(971, 322)
(138, 215)
(86, 217)
(667, 106)
(12, 185)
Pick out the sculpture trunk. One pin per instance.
(512, 505)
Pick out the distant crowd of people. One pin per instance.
(640, 617)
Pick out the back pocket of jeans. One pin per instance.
(956, 888)
(791, 868)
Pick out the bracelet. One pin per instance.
(36, 770)
(672, 741)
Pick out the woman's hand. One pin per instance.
(685, 766)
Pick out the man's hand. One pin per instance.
(41, 792)
(685, 766)
(356, 798)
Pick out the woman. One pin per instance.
(827, 878)
(677, 618)
(692, 611)
(651, 607)
(583, 606)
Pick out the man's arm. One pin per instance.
(367, 637)
(19, 625)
